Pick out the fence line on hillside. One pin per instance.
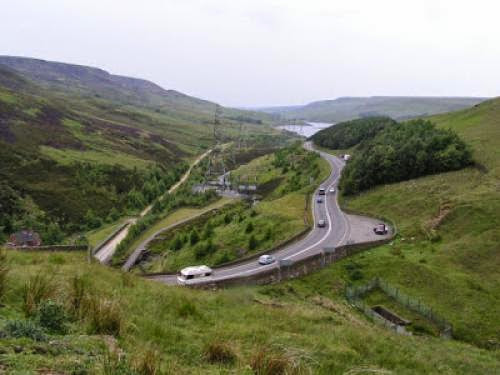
(354, 295)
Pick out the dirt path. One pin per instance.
(105, 253)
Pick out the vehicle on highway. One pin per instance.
(321, 223)
(266, 259)
(321, 191)
(194, 272)
(332, 190)
(380, 229)
(319, 200)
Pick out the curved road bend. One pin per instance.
(336, 232)
(105, 253)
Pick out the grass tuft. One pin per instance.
(38, 288)
(4, 270)
(147, 362)
(219, 352)
(104, 316)
(268, 362)
(77, 295)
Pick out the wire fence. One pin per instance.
(354, 296)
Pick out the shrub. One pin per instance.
(268, 235)
(219, 352)
(37, 289)
(4, 270)
(194, 237)
(51, 316)
(223, 258)
(176, 243)
(24, 328)
(105, 316)
(249, 228)
(252, 242)
(356, 275)
(208, 231)
(203, 249)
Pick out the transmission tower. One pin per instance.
(216, 165)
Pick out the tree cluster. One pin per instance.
(404, 151)
(351, 133)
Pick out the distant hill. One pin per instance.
(349, 108)
(92, 86)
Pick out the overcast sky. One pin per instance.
(270, 52)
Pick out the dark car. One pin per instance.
(380, 229)
(319, 200)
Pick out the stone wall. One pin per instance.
(51, 248)
(295, 269)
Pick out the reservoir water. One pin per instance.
(306, 130)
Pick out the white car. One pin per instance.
(266, 259)
(321, 223)
(332, 190)
(191, 273)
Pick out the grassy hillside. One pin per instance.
(132, 102)
(282, 329)
(75, 142)
(447, 252)
(348, 108)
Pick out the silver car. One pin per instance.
(321, 223)
(266, 259)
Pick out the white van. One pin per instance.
(192, 273)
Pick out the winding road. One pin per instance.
(340, 229)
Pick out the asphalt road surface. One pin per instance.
(338, 231)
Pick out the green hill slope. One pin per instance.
(348, 108)
(95, 87)
(281, 329)
(447, 252)
(75, 141)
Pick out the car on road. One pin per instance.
(321, 223)
(332, 190)
(321, 191)
(319, 200)
(266, 259)
(192, 273)
(380, 229)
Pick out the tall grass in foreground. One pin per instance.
(77, 295)
(4, 270)
(269, 362)
(38, 288)
(104, 316)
